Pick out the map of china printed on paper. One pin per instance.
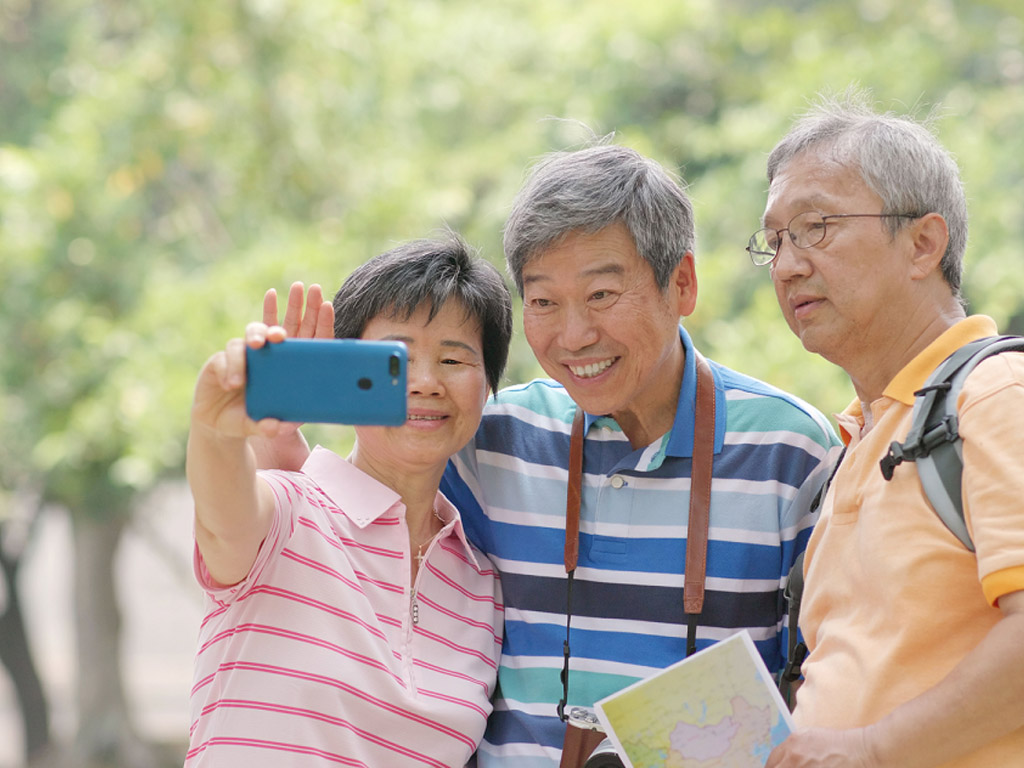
(716, 709)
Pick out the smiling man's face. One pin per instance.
(600, 325)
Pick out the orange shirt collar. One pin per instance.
(914, 374)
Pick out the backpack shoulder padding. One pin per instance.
(933, 441)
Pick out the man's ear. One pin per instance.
(683, 284)
(930, 235)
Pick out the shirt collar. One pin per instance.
(850, 422)
(914, 374)
(360, 497)
(363, 499)
(912, 377)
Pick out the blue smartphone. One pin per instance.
(336, 381)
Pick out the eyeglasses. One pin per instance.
(805, 229)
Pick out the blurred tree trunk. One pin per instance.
(16, 654)
(106, 732)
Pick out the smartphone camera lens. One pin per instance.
(395, 365)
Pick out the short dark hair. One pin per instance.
(589, 189)
(435, 271)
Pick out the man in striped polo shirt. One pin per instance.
(600, 243)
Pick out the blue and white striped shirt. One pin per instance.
(771, 454)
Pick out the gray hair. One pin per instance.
(589, 189)
(899, 159)
(431, 272)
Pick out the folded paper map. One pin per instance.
(716, 709)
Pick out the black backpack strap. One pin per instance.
(797, 648)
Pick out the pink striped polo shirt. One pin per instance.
(327, 655)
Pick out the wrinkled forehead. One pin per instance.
(584, 254)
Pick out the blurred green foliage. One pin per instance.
(163, 163)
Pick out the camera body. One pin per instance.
(586, 745)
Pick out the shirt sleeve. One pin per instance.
(286, 491)
(991, 415)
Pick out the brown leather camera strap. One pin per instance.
(572, 496)
(700, 489)
(697, 523)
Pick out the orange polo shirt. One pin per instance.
(893, 601)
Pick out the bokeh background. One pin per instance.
(163, 162)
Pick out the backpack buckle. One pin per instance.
(891, 460)
(791, 673)
(946, 431)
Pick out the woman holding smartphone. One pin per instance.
(349, 621)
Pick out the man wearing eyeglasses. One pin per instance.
(916, 643)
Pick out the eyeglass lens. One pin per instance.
(804, 230)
